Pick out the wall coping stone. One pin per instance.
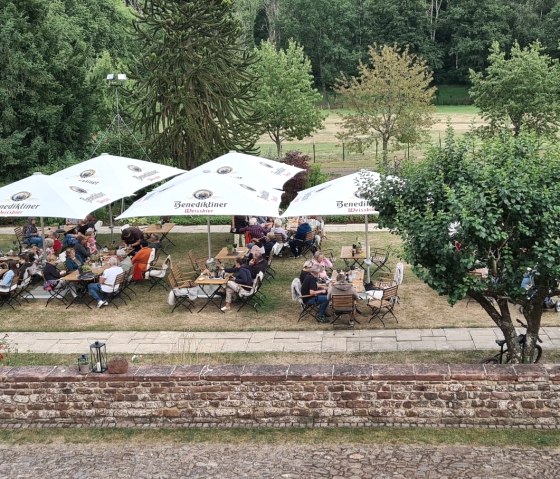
(297, 372)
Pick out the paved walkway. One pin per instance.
(327, 341)
(282, 461)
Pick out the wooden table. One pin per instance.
(352, 259)
(80, 287)
(210, 288)
(162, 230)
(224, 255)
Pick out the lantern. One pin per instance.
(98, 357)
(83, 364)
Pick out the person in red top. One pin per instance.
(57, 244)
(140, 261)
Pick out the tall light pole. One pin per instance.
(115, 80)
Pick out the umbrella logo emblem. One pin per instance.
(224, 170)
(77, 189)
(22, 195)
(134, 168)
(266, 164)
(358, 194)
(202, 194)
(247, 187)
(87, 173)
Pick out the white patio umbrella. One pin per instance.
(108, 178)
(44, 196)
(207, 195)
(254, 169)
(340, 196)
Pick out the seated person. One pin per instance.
(57, 244)
(82, 250)
(124, 260)
(9, 276)
(24, 264)
(242, 277)
(91, 244)
(140, 261)
(72, 263)
(254, 230)
(315, 294)
(98, 291)
(279, 229)
(305, 270)
(258, 246)
(52, 275)
(268, 244)
(49, 246)
(87, 223)
(255, 266)
(154, 241)
(31, 235)
(70, 238)
(341, 287)
(298, 240)
(132, 237)
(323, 262)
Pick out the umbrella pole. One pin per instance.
(209, 243)
(367, 252)
(44, 255)
(111, 227)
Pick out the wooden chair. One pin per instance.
(117, 291)
(306, 309)
(344, 305)
(179, 286)
(9, 295)
(379, 258)
(384, 303)
(18, 231)
(248, 295)
(197, 264)
(157, 275)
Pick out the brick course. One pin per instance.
(525, 396)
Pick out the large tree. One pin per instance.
(285, 95)
(193, 85)
(328, 31)
(48, 99)
(522, 91)
(494, 207)
(391, 98)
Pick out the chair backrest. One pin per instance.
(342, 302)
(399, 273)
(296, 289)
(278, 237)
(18, 230)
(119, 281)
(167, 263)
(310, 236)
(390, 292)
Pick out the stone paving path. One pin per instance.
(285, 461)
(327, 341)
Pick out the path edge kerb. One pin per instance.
(277, 373)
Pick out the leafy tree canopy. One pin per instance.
(522, 91)
(495, 207)
(193, 88)
(285, 94)
(392, 99)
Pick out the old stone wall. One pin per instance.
(525, 396)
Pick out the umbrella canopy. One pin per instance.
(340, 196)
(256, 170)
(107, 178)
(45, 196)
(211, 194)
(207, 195)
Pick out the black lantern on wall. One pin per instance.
(98, 357)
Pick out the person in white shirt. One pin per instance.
(106, 282)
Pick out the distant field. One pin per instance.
(324, 148)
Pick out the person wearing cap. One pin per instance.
(124, 260)
(313, 294)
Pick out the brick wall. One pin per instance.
(280, 396)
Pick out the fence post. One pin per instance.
(376, 147)
(439, 134)
(343, 152)
(408, 150)
(313, 152)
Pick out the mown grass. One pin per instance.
(306, 436)
(419, 307)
